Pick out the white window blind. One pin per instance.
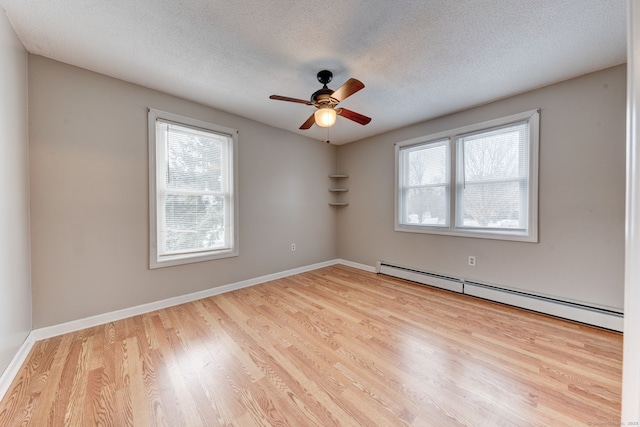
(493, 178)
(193, 199)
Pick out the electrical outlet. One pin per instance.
(293, 247)
(472, 261)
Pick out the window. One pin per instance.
(476, 181)
(192, 177)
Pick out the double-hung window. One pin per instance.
(193, 201)
(476, 181)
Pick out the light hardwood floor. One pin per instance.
(333, 347)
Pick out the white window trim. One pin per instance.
(155, 261)
(529, 235)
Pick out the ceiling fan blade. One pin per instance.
(349, 88)
(310, 122)
(352, 115)
(286, 98)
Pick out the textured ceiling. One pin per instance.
(419, 59)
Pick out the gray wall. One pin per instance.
(580, 253)
(89, 192)
(89, 203)
(15, 281)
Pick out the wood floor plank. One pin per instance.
(331, 347)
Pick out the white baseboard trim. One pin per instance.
(100, 319)
(9, 374)
(11, 371)
(357, 265)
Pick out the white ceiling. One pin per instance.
(419, 59)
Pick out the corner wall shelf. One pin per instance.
(338, 190)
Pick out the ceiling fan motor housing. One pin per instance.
(322, 97)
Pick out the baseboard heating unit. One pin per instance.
(595, 316)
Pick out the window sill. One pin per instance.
(517, 236)
(173, 260)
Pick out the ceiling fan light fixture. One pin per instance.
(325, 116)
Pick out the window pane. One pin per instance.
(494, 205)
(425, 173)
(427, 165)
(194, 223)
(195, 159)
(426, 206)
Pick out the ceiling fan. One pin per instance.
(326, 100)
